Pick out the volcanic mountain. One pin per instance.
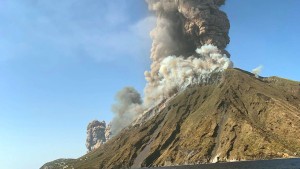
(236, 117)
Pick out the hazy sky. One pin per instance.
(61, 63)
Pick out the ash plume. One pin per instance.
(188, 47)
(126, 109)
(189, 43)
(96, 132)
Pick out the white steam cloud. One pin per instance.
(257, 71)
(176, 73)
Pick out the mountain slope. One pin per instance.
(240, 117)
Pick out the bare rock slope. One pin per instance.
(241, 117)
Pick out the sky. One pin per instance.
(61, 63)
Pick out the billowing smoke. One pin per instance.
(126, 109)
(176, 73)
(188, 45)
(97, 134)
(257, 71)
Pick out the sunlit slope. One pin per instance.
(240, 117)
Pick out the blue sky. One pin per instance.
(61, 63)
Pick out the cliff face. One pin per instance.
(241, 117)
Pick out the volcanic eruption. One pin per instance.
(204, 111)
(188, 47)
(189, 43)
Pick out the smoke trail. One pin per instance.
(256, 71)
(188, 45)
(126, 109)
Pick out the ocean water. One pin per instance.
(293, 163)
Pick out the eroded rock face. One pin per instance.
(97, 134)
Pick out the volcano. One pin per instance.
(237, 117)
